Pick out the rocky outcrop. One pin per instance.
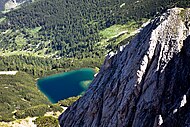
(145, 85)
(11, 4)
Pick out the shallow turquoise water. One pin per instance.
(61, 86)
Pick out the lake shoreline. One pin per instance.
(67, 84)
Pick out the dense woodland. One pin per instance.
(39, 67)
(70, 28)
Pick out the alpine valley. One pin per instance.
(143, 80)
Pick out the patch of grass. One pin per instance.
(46, 121)
(96, 69)
(20, 40)
(115, 30)
(34, 31)
(182, 14)
(2, 19)
(116, 34)
(26, 53)
(36, 111)
(69, 101)
(5, 11)
(7, 32)
(24, 42)
(85, 84)
(185, 15)
(4, 125)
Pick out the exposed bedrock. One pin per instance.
(145, 85)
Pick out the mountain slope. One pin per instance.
(73, 28)
(18, 92)
(145, 85)
(51, 29)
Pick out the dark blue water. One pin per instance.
(61, 86)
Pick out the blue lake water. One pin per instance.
(61, 86)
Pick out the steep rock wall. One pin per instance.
(145, 85)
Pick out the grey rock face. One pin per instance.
(3, 2)
(145, 85)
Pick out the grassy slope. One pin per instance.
(48, 28)
(110, 35)
(52, 111)
(59, 25)
(17, 93)
(114, 35)
(2, 19)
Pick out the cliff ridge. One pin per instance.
(147, 84)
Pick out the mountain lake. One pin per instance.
(64, 85)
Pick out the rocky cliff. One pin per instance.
(147, 84)
(11, 4)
